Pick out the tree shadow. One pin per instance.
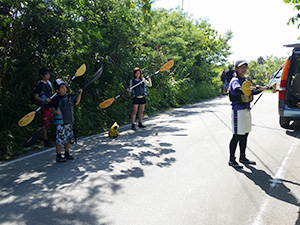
(36, 190)
(45, 182)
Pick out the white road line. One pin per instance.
(51, 149)
(279, 173)
(25, 157)
(35, 154)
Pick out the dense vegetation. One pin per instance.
(262, 70)
(118, 34)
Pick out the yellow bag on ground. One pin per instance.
(113, 131)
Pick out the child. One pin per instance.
(63, 108)
(42, 94)
(138, 95)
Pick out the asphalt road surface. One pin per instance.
(173, 172)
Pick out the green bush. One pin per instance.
(118, 34)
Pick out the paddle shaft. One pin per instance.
(165, 67)
(52, 96)
(135, 85)
(143, 81)
(269, 83)
(36, 135)
(96, 76)
(254, 87)
(276, 73)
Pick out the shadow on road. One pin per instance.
(273, 187)
(40, 191)
(36, 191)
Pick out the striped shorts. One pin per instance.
(241, 121)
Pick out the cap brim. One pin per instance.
(240, 64)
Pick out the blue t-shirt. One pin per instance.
(237, 83)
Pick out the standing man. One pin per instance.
(229, 74)
(241, 116)
(225, 82)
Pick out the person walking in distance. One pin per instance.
(225, 82)
(229, 74)
(241, 116)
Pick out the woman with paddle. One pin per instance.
(138, 95)
(241, 116)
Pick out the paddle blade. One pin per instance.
(95, 77)
(106, 103)
(34, 138)
(97, 74)
(273, 88)
(246, 88)
(81, 70)
(26, 119)
(168, 65)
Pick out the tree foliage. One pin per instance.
(118, 34)
(260, 72)
(295, 18)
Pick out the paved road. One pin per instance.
(174, 172)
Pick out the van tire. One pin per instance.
(284, 122)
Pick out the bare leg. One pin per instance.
(134, 111)
(45, 135)
(58, 149)
(67, 147)
(141, 112)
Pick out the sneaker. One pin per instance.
(244, 160)
(234, 164)
(47, 143)
(60, 159)
(133, 127)
(141, 125)
(68, 156)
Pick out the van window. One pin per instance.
(278, 76)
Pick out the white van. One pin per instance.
(289, 90)
(276, 80)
